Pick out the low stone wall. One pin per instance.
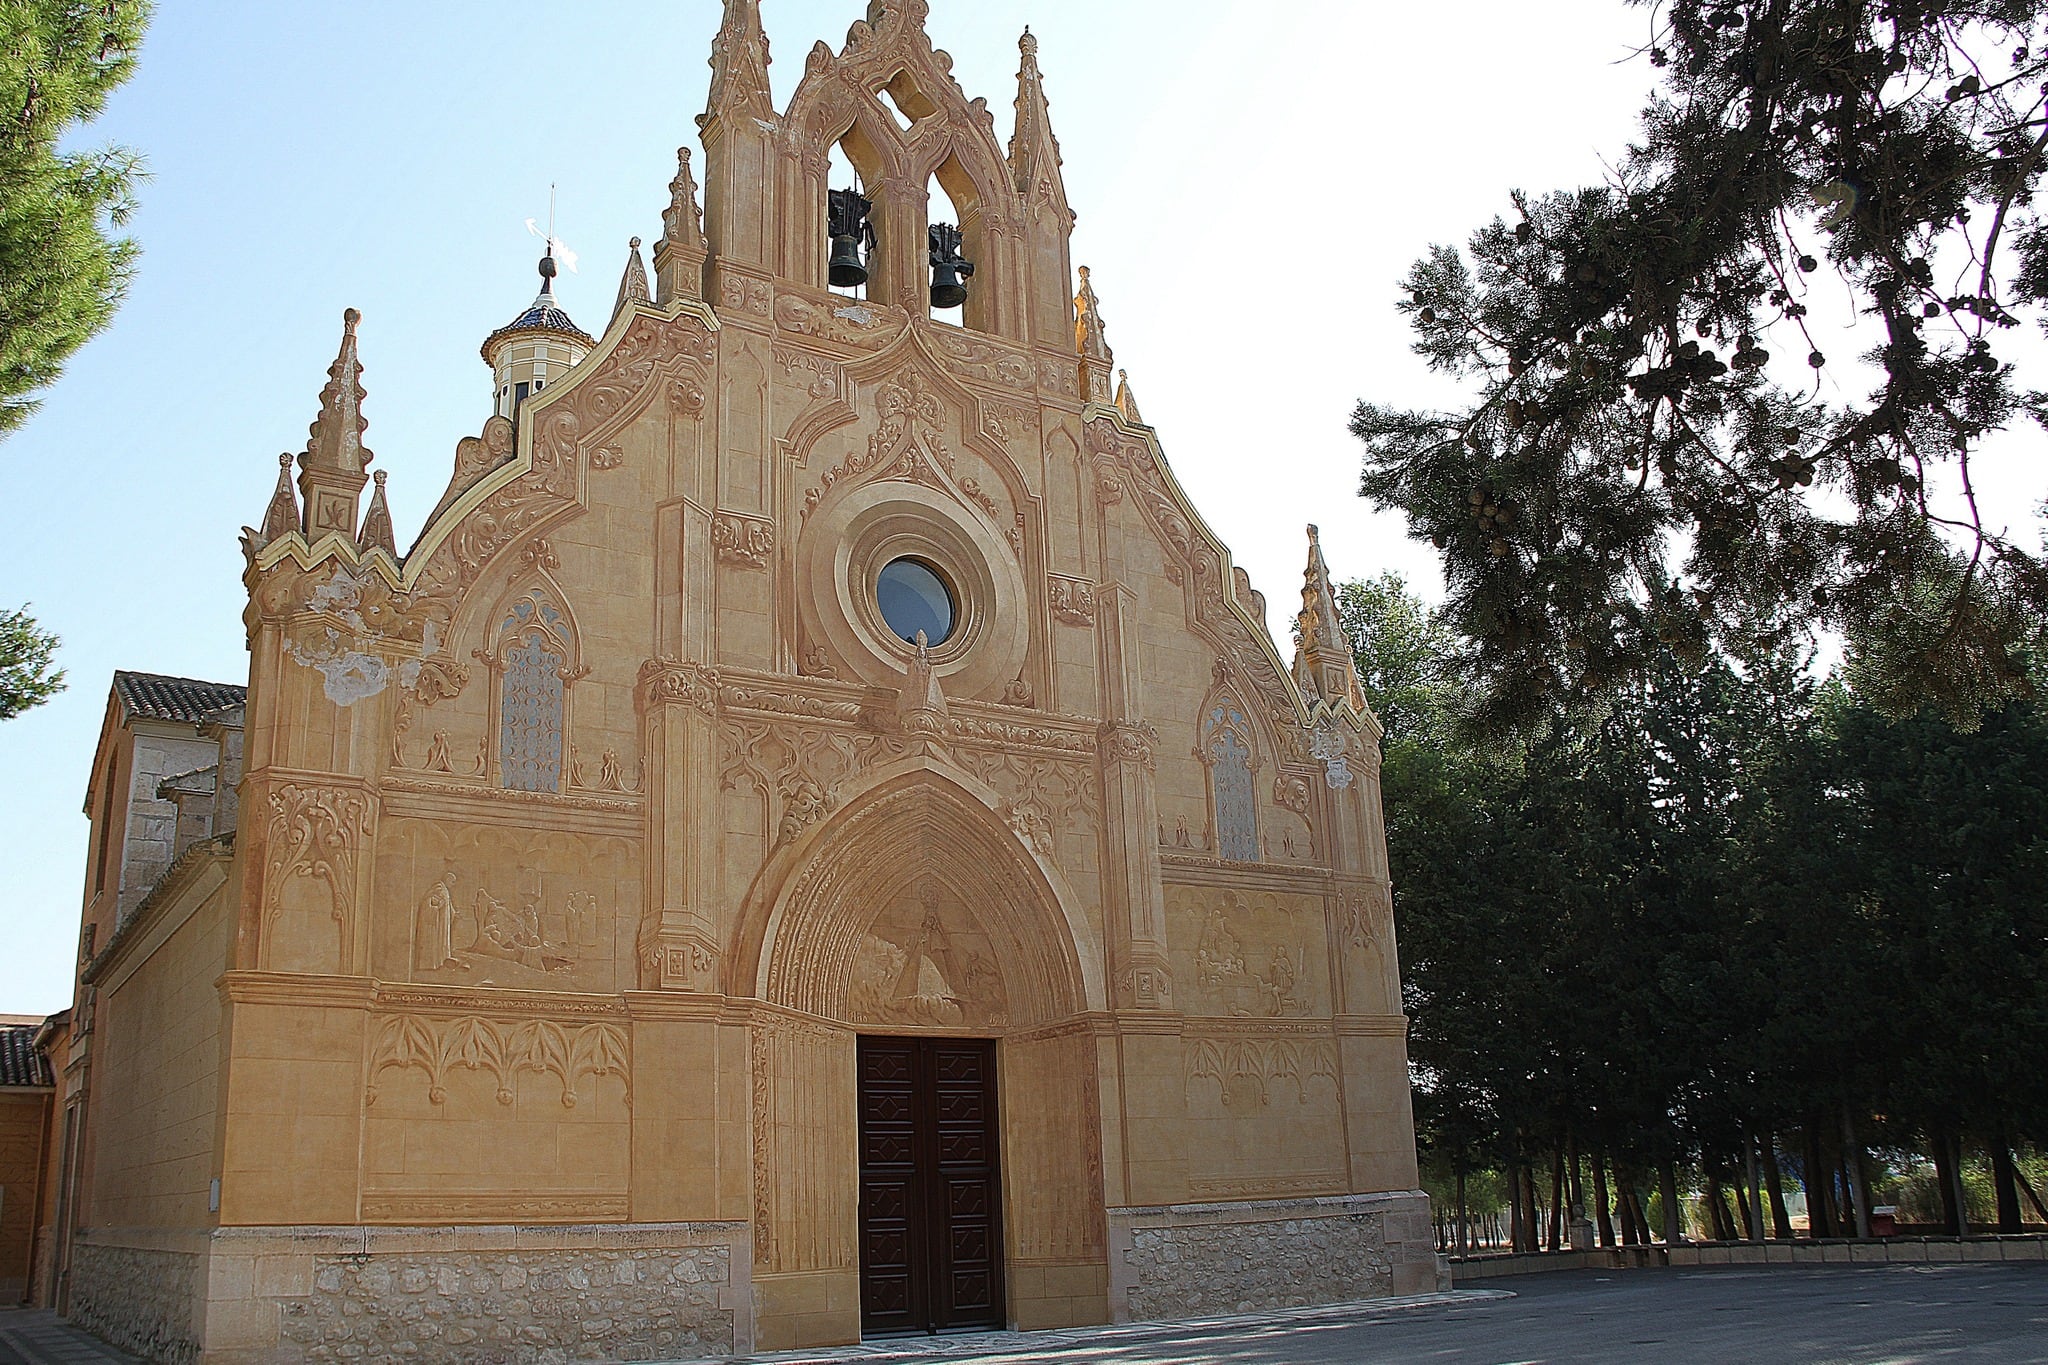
(139, 1292)
(1197, 1260)
(1877, 1251)
(480, 1295)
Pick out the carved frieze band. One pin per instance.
(1245, 1069)
(502, 1049)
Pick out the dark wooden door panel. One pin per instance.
(930, 1226)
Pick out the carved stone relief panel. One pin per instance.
(1249, 954)
(926, 962)
(531, 909)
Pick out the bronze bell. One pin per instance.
(948, 267)
(847, 220)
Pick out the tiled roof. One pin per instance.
(20, 1063)
(160, 698)
(544, 316)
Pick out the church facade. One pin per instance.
(813, 839)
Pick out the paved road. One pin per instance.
(1820, 1315)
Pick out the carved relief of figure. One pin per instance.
(434, 926)
(1279, 983)
(1219, 958)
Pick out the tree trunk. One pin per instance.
(1557, 1200)
(1667, 1185)
(1774, 1180)
(1601, 1212)
(1517, 1234)
(2033, 1197)
(1753, 1176)
(2008, 1189)
(1852, 1166)
(1638, 1215)
(1535, 1223)
(1719, 1221)
(1819, 1222)
(1459, 1243)
(1955, 1215)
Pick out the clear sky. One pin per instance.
(1252, 180)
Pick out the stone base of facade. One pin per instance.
(461, 1295)
(1201, 1260)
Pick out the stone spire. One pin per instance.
(739, 66)
(376, 533)
(1034, 151)
(1126, 400)
(633, 284)
(679, 255)
(1323, 664)
(1097, 360)
(332, 471)
(282, 516)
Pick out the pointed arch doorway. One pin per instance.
(915, 916)
(931, 1238)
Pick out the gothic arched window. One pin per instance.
(533, 657)
(1227, 749)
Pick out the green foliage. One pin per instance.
(1632, 477)
(62, 272)
(26, 653)
(1734, 903)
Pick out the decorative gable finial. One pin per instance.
(1097, 360)
(679, 255)
(632, 284)
(1126, 400)
(332, 471)
(1323, 664)
(282, 516)
(739, 66)
(1034, 152)
(682, 222)
(335, 439)
(376, 533)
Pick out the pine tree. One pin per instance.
(63, 272)
(1631, 473)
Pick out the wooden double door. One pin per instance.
(931, 1239)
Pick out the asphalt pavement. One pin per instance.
(1982, 1314)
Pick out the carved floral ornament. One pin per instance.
(501, 1050)
(741, 539)
(669, 682)
(315, 831)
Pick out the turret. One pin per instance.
(534, 349)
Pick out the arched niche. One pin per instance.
(921, 840)
(927, 131)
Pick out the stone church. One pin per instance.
(813, 840)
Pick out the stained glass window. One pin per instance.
(530, 708)
(1236, 816)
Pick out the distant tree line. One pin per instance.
(1736, 937)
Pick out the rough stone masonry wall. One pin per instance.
(487, 1295)
(139, 1298)
(1195, 1260)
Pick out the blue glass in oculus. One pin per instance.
(914, 598)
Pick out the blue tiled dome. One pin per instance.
(545, 317)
